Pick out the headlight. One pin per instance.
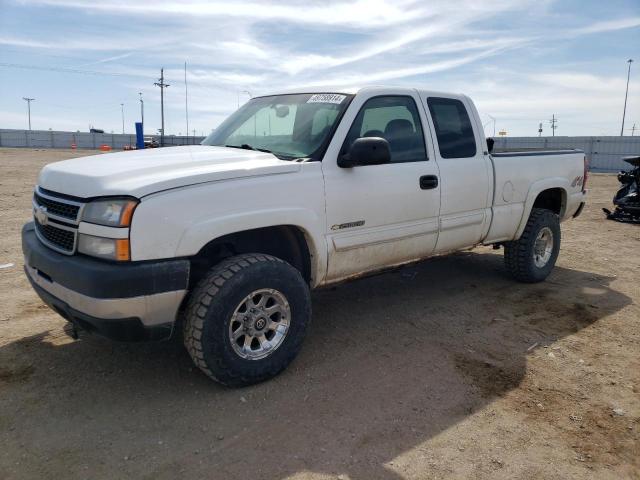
(110, 212)
(107, 248)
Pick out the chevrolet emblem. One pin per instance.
(40, 213)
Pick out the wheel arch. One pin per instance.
(256, 230)
(290, 243)
(551, 193)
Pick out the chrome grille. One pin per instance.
(57, 208)
(56, 219)
(64, 240)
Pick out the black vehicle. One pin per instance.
(627, 198)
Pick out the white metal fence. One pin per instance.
(604, 153)
(57, 139)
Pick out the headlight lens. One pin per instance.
(112, 213)
(107, 248)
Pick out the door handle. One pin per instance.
(427, 182)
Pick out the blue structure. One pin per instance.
(139, 136)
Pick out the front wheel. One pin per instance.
(531, 258)
(245, 321)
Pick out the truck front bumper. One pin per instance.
(121, 301)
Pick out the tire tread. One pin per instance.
(517, 254)
(195, 314)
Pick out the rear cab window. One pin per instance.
(453, 128)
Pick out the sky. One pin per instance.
(521, 61)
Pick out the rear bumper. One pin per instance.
(128, 302)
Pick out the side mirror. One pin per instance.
(366, 151)
(490, 142)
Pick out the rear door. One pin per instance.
(465, 172)
(381, 215)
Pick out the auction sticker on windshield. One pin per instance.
(326, 98)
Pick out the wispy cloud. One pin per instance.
(508, 54)
(107, 60)
(608, 26)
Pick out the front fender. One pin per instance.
(178, 223)
(201, 232)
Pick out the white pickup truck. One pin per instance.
(224, 241)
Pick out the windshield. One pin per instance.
(289, 126)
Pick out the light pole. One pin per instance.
(122, 108)
(243, 91)
(493, 120)
(494, 124)
(28, 100)
(141, 111)
(625, 95)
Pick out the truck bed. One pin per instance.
(523, 152)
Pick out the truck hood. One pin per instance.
(142, 172)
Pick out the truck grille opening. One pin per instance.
(57, 208)
(57, 237)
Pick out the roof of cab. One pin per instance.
(358, 89)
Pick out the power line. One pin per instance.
(70, 70)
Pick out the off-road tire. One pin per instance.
(211, 306)
(519, 254)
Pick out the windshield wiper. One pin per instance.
(246, 146)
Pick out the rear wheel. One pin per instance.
(245, 321)
(531, 258)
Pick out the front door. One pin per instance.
(380, 215)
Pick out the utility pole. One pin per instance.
(553, 123)
(625, 95)
(186, 98)
(141, 111)
(540, 129)
(122, 108)
(28, 100)
(160, 83)
(633, 129)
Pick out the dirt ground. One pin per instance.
(447, 369)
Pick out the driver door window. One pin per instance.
(394, 118)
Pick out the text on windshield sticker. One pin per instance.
(326, 98)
